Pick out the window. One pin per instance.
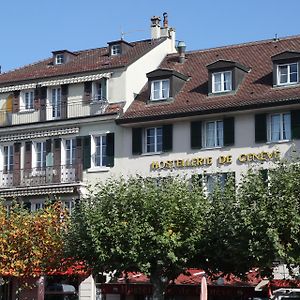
(153, 139)
(70, 146)
(69, 206)
(160, 89)
(100, 151)
(279, 127)
(212, 181)
(8, 155)
(222, 82)
(116, 49)
(99, 90)
(56, 102)
(59, 59)
(287, 74)
(27, 100)
(40, 152)
(36, 206)
(213, 134)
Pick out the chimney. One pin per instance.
(155, 27)
(165, 22)
(181, 51)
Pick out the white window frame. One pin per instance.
(59, 59)
(37, 205)
(69, 205)
(217, 144)
(222, 82)
(10, 158)
(23, 102)
(35, 166)
(160, 97)
(115, 49)
(94, 147)
(64, 155)
(54, 102)
(155, 143)
(95, 95)
(221, 177)
(288, 82)
(281, 125)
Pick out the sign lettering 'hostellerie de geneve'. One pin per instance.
(221, 160)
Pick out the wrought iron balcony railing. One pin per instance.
(58, 111)
(41, 176)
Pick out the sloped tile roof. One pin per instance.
(83, 61)
(255, 91)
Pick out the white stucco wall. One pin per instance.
(136, 73)
(128, 164)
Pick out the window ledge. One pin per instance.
(278, 142)
(98, 169)
(151, 153)
(212, 148)
(26, 111)
(286, 85)
(160, 101)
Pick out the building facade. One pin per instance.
(143, 108)
(57, 119)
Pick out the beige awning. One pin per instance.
(75, 79)
(18, 87)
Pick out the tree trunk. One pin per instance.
(158, 286)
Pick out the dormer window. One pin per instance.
(160, 89)
(225, 76)
(221, 82)
(287, 74)
(116, 49)
(59, 59)
(286, 68)
(164, 84)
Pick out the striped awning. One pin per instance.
(38, 134)
(53, 82)
(18, 87)
(40, 190)
(75, 79)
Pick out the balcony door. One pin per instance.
(68, 168)
(56, 102)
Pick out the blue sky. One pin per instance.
(31, 29)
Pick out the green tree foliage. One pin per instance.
(151, 226)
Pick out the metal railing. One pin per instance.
(41, 176)
(60, 111)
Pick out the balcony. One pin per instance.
(35, 177)
(60, 111)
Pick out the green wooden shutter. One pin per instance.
(110, 149)
(228, 131)
(87, 93)
(86, 152)
(64, 101)
(295, 124)
(137, 141)
(196, 135)
(167, 132)
(261, 128)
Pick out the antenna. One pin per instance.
(129, 32)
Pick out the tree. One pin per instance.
(151, 226)
(31, 243)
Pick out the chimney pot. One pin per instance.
(155, 27)
(181, 51)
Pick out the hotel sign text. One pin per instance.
(208, 161)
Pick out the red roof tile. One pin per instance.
(255, 90)
(83, 61)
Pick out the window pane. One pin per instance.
(210, 134)
(165, 89)
(219, 137)
(150, 140)
(283, 74)
(217, 82)
(103, 151)
(275, 127)
(159, 139)
(293, 72)
(286, 126)
(227, 81)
